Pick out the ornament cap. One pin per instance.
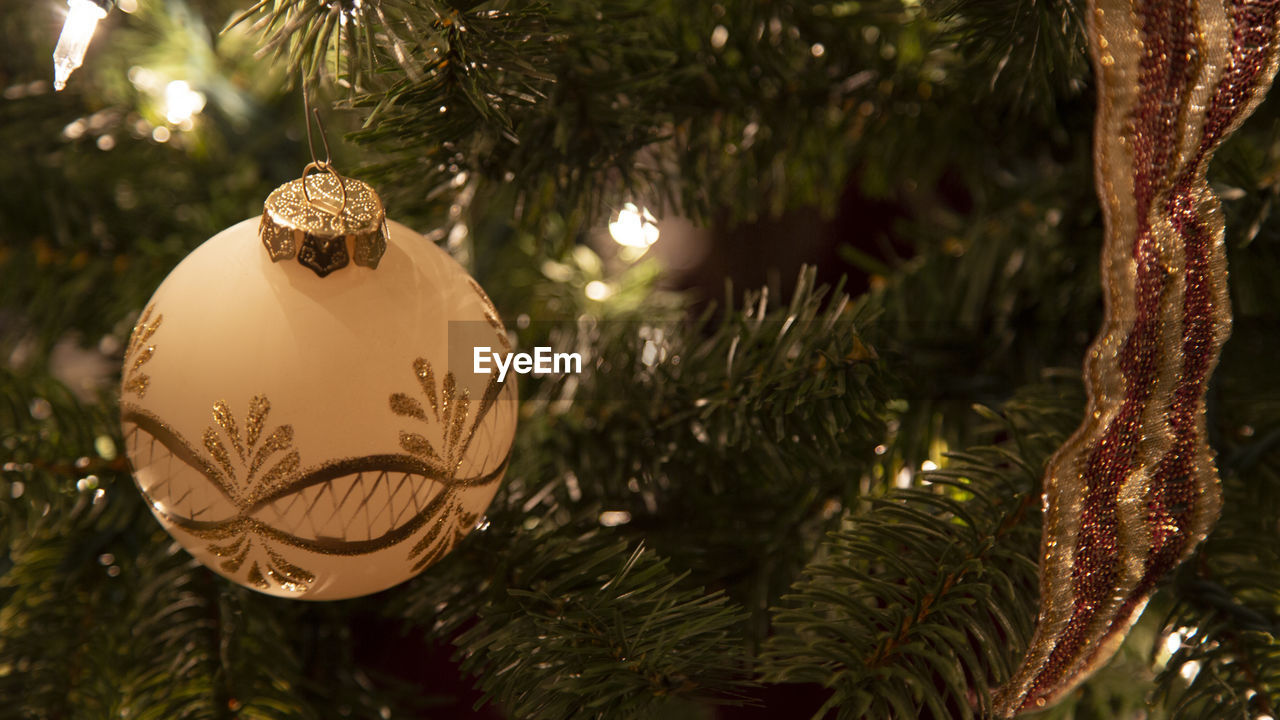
(324, 220)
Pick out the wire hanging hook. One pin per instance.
(307, 113)
(322, 166)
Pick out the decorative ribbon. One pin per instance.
(1132, 493)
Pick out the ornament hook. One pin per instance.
(320, 202)
(319, 165)
(307, 113)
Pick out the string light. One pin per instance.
(634, 228)
(614, 518)
(181, 103)
(77, 31)
(598, 291)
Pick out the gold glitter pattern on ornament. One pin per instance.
(344, 507)
(1134, 490)
(287, 575)
(139, 352)
(402, 404)
(449, 415)
(335, 221)
(490, 314)
(241, 474)
(449, 412)
(239, 478)
(255, 578)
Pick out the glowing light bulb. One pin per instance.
(77, 31)
(635, 227)
(614, 518)
(598, 291)
(181, 103)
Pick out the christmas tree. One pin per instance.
(832, 268)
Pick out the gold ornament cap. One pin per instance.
(325, 220)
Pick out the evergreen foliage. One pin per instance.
(764, 452)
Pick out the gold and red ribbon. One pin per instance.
(1134, 490)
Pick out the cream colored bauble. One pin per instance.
(298, 426)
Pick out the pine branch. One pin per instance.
(766, 415)
(584, 105)
(360, 38)
(986, 298)
(1228, 664)
(590, 630)
(53, 444)
(1031, 55)
(98, 210)
(101, 613)
(675, 418)
(1227, 610)
(909, 610)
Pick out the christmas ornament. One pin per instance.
(1134, 490)
(289, 404)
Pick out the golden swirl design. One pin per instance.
(449, 409)
(395, 495)
(139, 352)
